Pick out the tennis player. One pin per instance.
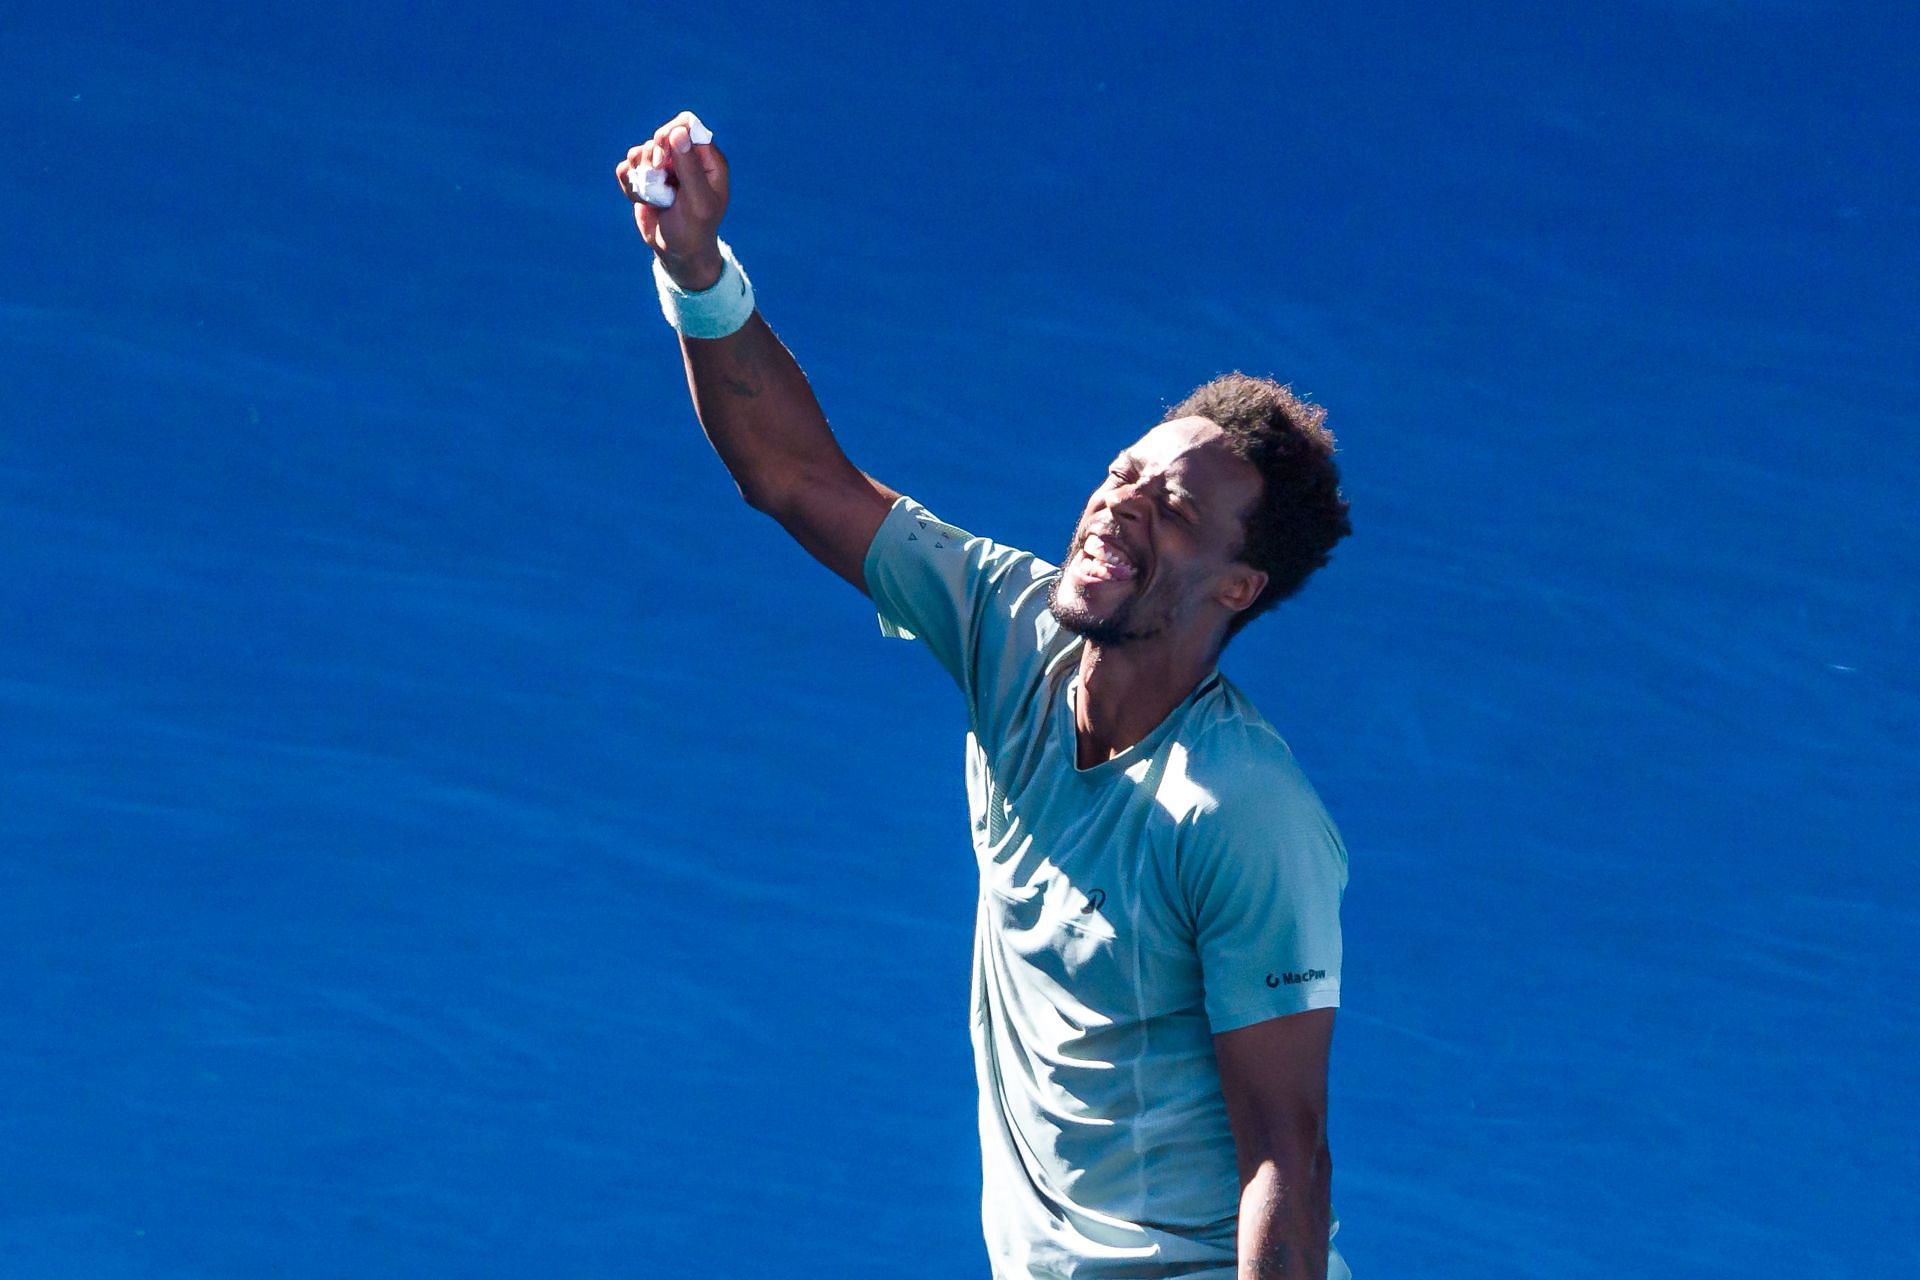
(1157, 943)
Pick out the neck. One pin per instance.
(1126, 692)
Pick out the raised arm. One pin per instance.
(753, 401)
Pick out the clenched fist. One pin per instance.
(685, 235)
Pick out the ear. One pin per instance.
(1241, 587)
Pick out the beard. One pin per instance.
(1112, 631)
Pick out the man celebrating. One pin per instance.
(1157, 947)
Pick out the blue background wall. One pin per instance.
(443, 832)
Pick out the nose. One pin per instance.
(1130, 503)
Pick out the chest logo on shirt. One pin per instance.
(1292, 979)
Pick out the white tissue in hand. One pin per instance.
(650, 184)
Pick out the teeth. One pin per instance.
(1099, 549)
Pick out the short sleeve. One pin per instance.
(1264, 872)
(978, 605)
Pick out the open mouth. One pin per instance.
(1101, 560)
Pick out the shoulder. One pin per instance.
(912, 532)
(1241, 793)
(1235, 765)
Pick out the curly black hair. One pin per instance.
(1300, 515)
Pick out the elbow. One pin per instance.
(760, 496)
(1297, 1155)
(784, 491)
(1302, 1176)
(775, 489)
(753, 497)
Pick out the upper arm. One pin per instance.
(835, 517)
(1263, 873)
(1273, 1075)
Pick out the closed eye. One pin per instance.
(1166, 502)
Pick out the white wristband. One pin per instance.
(712, 312)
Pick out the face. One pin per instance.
(1152, 557)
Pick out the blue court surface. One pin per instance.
(444, 832)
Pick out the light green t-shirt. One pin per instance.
(1127, 913)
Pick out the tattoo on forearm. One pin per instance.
(744, 378)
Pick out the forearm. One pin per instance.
(1284, 1212)
(759, 412)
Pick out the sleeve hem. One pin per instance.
(888, 627)
(1324, 996)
